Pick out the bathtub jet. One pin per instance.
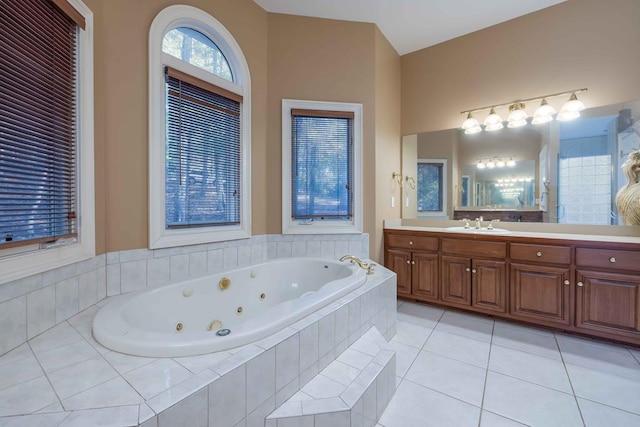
(191, 317)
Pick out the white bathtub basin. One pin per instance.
(244, 305)
(482, 230)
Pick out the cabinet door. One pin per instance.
(541, 293)
(608, 302)
(489, 285)
(400, 262)
(456, 280)
(425, 275)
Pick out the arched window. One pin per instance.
(199, 131)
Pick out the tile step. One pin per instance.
(351, 391)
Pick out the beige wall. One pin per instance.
(578, 43)
(320, 60)
(288, 56)
(387, 139)
(121, 116)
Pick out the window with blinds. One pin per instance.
(322, 165)
(203, 153)
(38, 121)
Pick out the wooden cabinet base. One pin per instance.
(586, 288)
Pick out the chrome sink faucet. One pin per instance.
(478, 223)
(362, 264)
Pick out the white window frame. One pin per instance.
(168, 19)
(290, 226)
(29, 260)
(445, 188)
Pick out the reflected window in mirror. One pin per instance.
(432, 187)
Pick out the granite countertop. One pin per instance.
(518, 233)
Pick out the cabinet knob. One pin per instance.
(566, 282)
(538, 253)
(473, 271)
(411, 242)
(413, 262)
(580, 284)
(612, 259)
(468, 269)
(408, 262)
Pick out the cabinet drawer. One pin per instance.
(540, 253)
(608, 258)
(405, 241)
(474, 248)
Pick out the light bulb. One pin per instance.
(500, 163)
(470, 123)
(481, 165)
(571, 109)
(511, 163)
(493, 121)
(491, 164)
(517, 115)
(543, 114)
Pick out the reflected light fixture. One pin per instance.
(518, 116)
(493, 121)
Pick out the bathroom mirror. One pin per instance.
(557, 172)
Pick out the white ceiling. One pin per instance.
(412, 25)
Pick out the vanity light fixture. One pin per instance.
(544, 113)
(491, 164)
(500, 163)
(511, 163)
(481, 165)
(471, 125)
(518, 116)
(493, 121)
(571, 109)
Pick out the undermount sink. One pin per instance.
(483, 230)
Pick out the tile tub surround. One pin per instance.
(37, 303)
(352, 391)
(65, 378)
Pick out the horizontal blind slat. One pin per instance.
(37, 123)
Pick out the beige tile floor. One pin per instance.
(458, 370)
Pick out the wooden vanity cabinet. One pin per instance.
(608, 293)
(540, 286)
(588, 287)
(474, 279)
(415, 261)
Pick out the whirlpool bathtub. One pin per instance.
(224, 310)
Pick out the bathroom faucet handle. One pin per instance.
(466, 222)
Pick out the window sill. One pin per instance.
(22, 265)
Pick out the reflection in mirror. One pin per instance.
(557, 172)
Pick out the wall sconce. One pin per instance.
(411, 181)
(518, 116)
(397, 177)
